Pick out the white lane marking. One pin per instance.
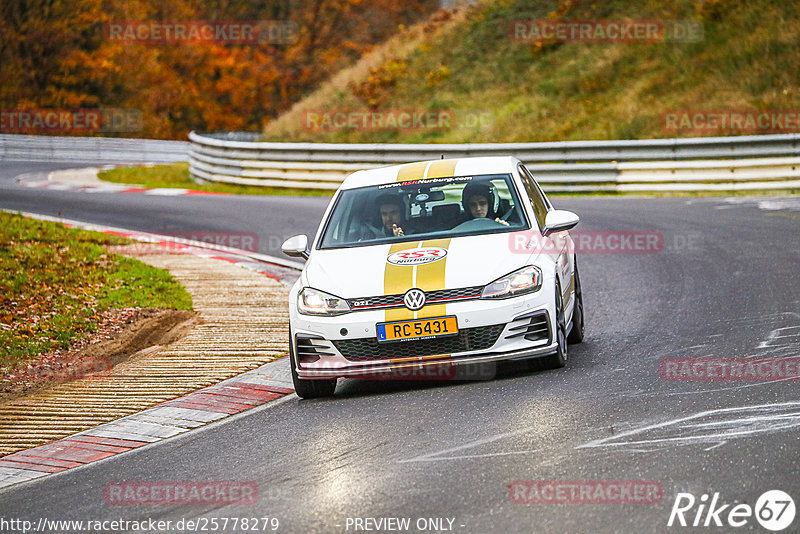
(707, 391)
(436, 456)
(733, 422)
(781, 341)
(470, 456)
(777, 335)
(766, 204)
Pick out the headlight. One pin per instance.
(315, 302)
(526, 280)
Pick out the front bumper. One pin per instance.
(521, 327)
(402, 370)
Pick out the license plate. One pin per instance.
(418, 329)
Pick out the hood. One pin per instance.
(429, 265)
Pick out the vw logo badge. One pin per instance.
(414, 299)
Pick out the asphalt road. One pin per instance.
(271, 220)
(724, 285)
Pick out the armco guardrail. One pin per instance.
(91, 149)
(693, 164)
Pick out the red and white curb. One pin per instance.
(52, 183)
(254, 388)
(269, 382)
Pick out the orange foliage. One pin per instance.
(56, 55)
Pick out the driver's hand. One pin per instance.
(501, 221)
(397, 231)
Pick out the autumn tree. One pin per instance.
(54, 53)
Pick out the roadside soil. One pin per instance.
(121, 335)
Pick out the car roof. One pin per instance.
(436, 168)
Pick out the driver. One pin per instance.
(392, 211)
(478, 201)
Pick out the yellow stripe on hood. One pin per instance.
(412, 171)
(430, 277)
(442, 168)
(398, 279)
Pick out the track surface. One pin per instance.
(725, 285)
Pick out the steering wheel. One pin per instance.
(477, 224)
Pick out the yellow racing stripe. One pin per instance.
(442, 168)
(430, 277)
(412, 171)
(397, 279)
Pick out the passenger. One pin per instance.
(478, 201)
(392, 211)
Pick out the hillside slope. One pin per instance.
(493, 88)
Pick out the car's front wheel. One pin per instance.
(576, 334)
(308, 389)
(559, 357)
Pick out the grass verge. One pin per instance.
(176, 176)
(55, 282)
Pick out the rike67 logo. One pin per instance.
(774, 510)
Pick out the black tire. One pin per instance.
(309, 389)
(576, 334)
(559, 358)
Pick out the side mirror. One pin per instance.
(559, 220)
(296, 247)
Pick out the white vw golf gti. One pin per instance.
(433, 265)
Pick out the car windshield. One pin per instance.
(424, 209)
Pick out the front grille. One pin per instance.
(368, 349)
(434, 297)
(376, 302)
(309, 349)
(533, 326)
(452, 294)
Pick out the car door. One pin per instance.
(559, 241)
